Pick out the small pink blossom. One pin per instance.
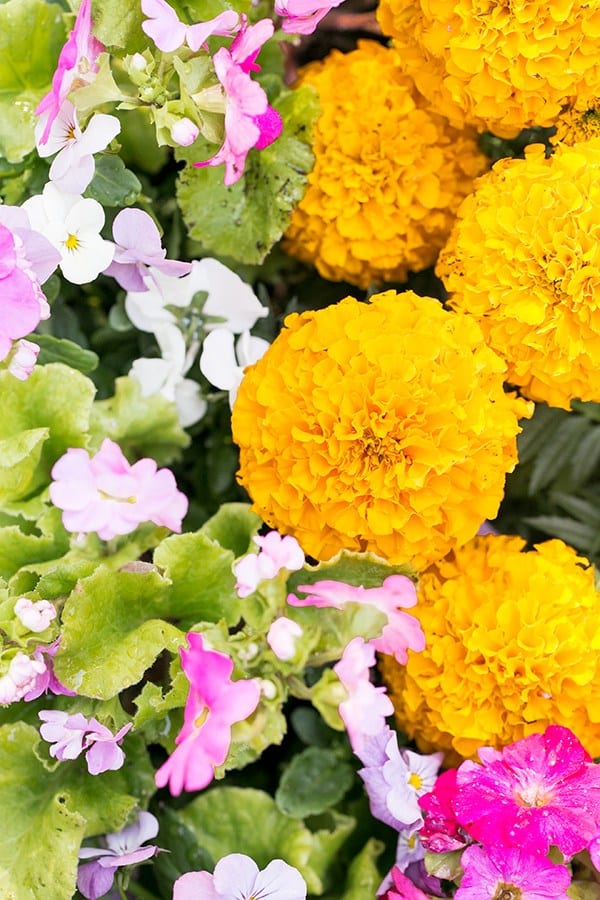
(76, 67)
(104, 753)
(402, 631)
(366, 707)
(21, 676)
(542, 790)
(184, 132)
(34, 615)
(123, 848)
(107, 495)
(282, 637)
(168, 32)
(249, 120)
(494, 872)
(47, 680)
(22, 359)
(249, 41)
(276, 552)
(71, 735)
(402, 888)
(214, 704)
(237, 876)
(137, 247)
(303, 16)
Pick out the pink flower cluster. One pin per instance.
(28, 677)
(72, 735)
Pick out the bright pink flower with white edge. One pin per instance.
(168, 32)
(214, 704)
(249, 120)
(237, 876)
(303, 16)
(366, 707)
(402, 631)
(107, 495)
(540, 791)
(500, 872)
(76, 67)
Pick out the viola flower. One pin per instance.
(282, 637)
(402, 632)
(402, 888)
(249, 120)
(72, 224)
(540, 791)
(223, 365)
(409, 849)
(303, 16)
(168, 32)
(77, 66)
(492, 872)
(364, 710)
(72, 168)
(107, 495)
(123, 848)
(138, 247)
(276, 552)
(34, 615)
(20, 678)
(237, 876)
(22, 359)
(214, 704)
(441, 831)
(71, 735)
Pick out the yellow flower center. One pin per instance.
(507, 892)
(199, 722)
(72, 242)
(415, 780)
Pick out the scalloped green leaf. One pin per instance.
(48, 541)
(32, 33)
(366, 569)
(315, 779)
(233, 526)
(113, 629)
(19, 458)
(119, 25)
(61, 350)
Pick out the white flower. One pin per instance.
(73, 167)
(22, 359)
(72, 224)
(165, 375)
(36, 616)
(222, 365)
(282, 637)
(229, 298)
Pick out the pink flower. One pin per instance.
(168, 32)
(34, 615)
(214, 703)
(303, 16)
(249, 41)
(21, 676)
(107, 495)
(138, 246)
(71, 735)
(249, 120)
(46, 680)
(402, 631)
(499, 871)
(441, 832)
(76, 66)
(237, 876)
(541, 790)
(403, 888)
(123, 848)
(366, 707)
(22, 359)
(276, 552)
(104, 753)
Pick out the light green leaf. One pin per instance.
(32, 33)
(245, 220)
(61, 350)
(119, 25)
(233, 526)
(314, 780)
(142, 426)
(19, 458)
(557, 451)
(113, 184)
(364, 569)
(363, 874)
(113, 629)
(19, 549)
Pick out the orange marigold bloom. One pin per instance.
(501, 65)
(388, 177)
(523, 258)
(379, 426)
(513, 645)
(580, 122)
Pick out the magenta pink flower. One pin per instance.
(364, 711)
(402, 631)
(276, 552)
(441, 831)
(249, 120)
(509, 872)
(137, 247)
(76, 67)
(46, 680)
(403, 888)
(542, 790)
(303, 16)
(249, 41)
(214, 704)
(168, 32)
(106, 494)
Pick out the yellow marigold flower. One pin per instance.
(500, 64)
(524, 259)
(578, 123)
(513, 645)
(389, 174)
(379, 426)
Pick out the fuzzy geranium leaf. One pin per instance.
(233, 526)
(118, 25)
(32, 33)
(243, 221)
(113, 629)
(366, 569)
(113, 184)
(48, 809)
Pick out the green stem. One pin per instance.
(297, 688)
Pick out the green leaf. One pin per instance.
(245, 220)
(363, 874)
(233, 526)
(314, 780)
(19, 458)
(537, 430)
(113, 630)
(142, 426)
(60, 350)
(31, 36)
(586, 458)
(19, 549)
(364, 569)
(203, 584)
(568, 530)
(184, 853)
(557, 451)
(113, 184)
(119, 25)
(585, 511)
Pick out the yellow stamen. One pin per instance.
(415, 780)
(201, 719)
(72, 242)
